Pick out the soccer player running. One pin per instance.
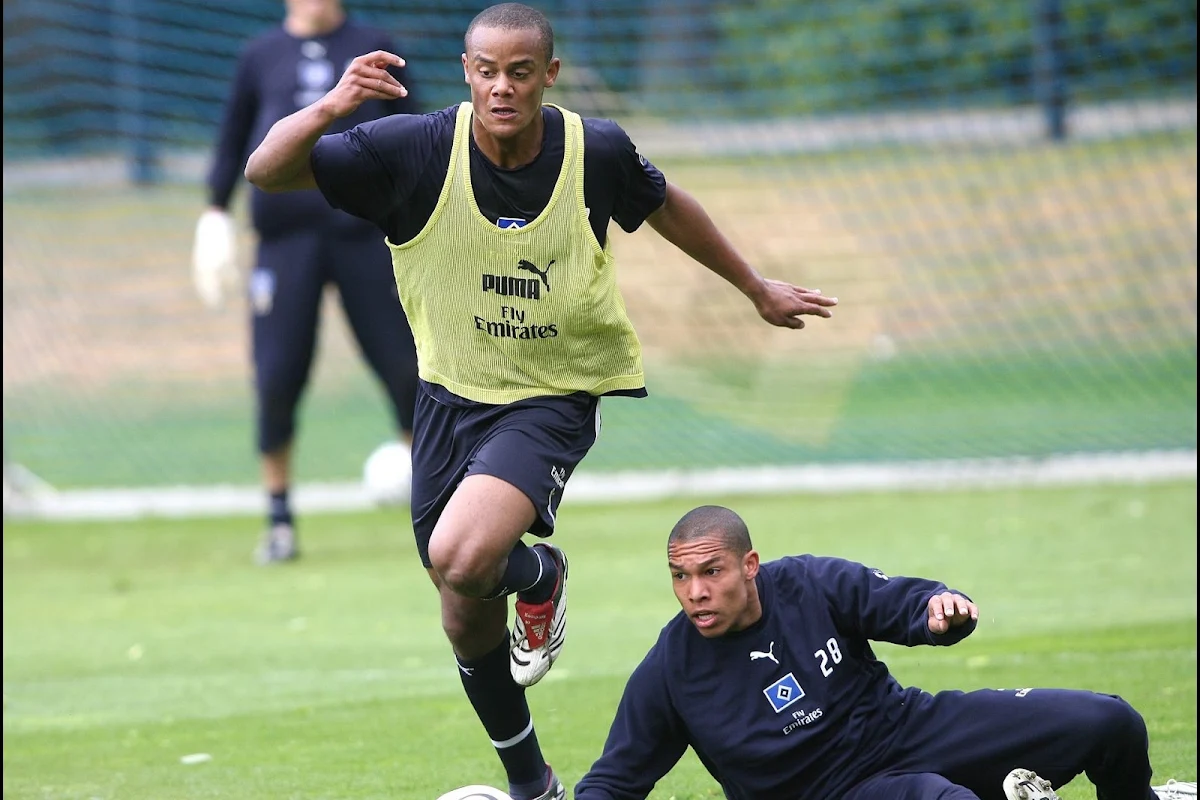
(768, 675)
(303, 244)
(497, 212)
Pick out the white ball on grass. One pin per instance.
(387, 474)
(475, 793)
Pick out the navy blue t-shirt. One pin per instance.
(391, 172)
(796, 705)
(277, 75)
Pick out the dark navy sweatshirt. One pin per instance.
(797, 705)
(277, 75)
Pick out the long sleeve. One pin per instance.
(237, 123)
(880, 607)
(645, 741)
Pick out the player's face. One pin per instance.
(715, 586)
(313, 9)
(508, 73)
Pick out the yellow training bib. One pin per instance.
(502, 314)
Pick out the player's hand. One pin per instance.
(782, 304)
(367, 78)
(949, 610)
(214, 257)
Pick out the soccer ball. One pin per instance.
(475, 793)
(387, 475)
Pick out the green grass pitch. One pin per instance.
(128, 646)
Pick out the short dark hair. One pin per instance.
(713, 521)
(513, 17)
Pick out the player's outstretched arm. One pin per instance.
(645, 742)
(280, 163)
(683, 222)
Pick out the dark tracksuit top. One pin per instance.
(794, 706)
(277, 75)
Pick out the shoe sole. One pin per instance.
(1020, 777)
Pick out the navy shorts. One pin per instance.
(533, 444)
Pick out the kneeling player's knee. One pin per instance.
(467, 570)
(1120, 724)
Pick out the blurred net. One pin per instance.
(1002, 195)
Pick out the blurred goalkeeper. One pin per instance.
(303, 244)
(768, 675)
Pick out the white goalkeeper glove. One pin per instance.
(214, 257)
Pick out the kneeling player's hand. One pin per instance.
(950, 610)
(214, 257)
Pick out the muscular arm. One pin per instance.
(683, 222)
(281, 161)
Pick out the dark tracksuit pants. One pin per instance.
(285, 292)
(961, 745)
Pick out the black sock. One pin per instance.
(531, 571)
(280, 510)
(500, 704)
(543, 586)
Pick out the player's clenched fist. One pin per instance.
(367, 78)
(949, 610)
